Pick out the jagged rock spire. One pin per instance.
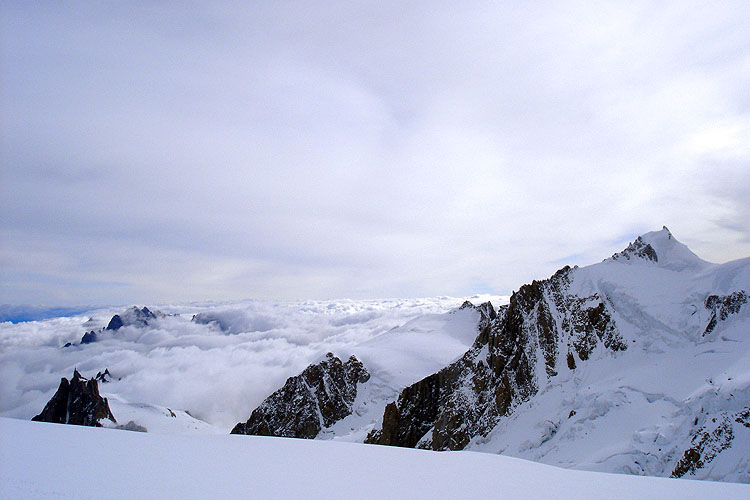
(320, 396)
(77, 402)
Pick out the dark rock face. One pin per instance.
(76, 402)
(319, 397)
(133, 316)
(710, 440)
(721, 306)
(467, 398)
(571, 361)
(639, 249)
(115, 323)
(89, 337)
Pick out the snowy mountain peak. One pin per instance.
(660, 248)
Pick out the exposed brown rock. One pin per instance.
(319, 397)
(721, 306)
(571, 361)
(76, 402)
(709, 441)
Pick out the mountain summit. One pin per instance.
(663, 249)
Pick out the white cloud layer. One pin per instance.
(218, 375)
(159, 153)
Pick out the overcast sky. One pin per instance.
(156, 152)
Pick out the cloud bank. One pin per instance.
(218, 371)
(153, 153)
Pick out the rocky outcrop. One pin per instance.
(486, 311)
(639, 249)
(89, 337)
(721, 306)
(543, 329)
(710, 440)
(130, 317)
(103, 377)
(77, 402)
(132, 426)
(319, 397)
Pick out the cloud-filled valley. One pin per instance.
(219, 368)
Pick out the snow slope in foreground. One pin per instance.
(45, 461)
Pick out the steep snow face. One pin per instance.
(665, 301)
(640, 412)
(419, 347)
(543, 329)
(673, 403)
(132, 465)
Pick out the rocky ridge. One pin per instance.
(317, 398)
(638, 249)
(655, 298)
(77, 402)
(131, 317)
(722, 306)
(542, 330)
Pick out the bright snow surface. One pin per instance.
(49, 461)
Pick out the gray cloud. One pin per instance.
(291, 150)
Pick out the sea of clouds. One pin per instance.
(218, 361)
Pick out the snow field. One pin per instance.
(41, 461)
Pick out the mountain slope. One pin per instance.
(320, 396)
(336, 400)
(638, 364)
